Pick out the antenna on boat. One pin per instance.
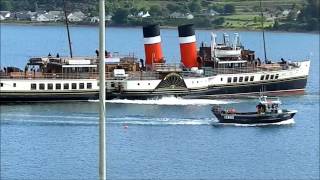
(67, 24)
(102, 93)
(264, 41)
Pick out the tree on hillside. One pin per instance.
(229, 9)
(310, 15)
(120, 16)
(172, 7)
(217, 7)
(195, 6)
(5, 6)
(155, 10)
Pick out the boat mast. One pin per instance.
(264, 41)
(67, 24)
(102, 93)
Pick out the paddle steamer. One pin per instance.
(218, 70)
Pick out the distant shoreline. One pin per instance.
(162, 27)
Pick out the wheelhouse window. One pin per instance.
(66, 86)
(221, 79)
(277, 76)
(272, 76)
(74, 85)
(251, 78)
(50, 86)
(58, 86)
(41, 86)
(246, 79)
(14, 85)
(81, 86)
(33, 86)
(262, 77)
(267, 77)
(1, 84)
(229, 79)
(240, 79)
(235, 79)
(89, 85)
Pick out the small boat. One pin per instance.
(268, 111)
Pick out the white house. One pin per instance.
(285, 13)
(42, 18)
(146, 15)
(143, 15)
(76, 16)
(189, 16)
(5, 15)
(94, 19)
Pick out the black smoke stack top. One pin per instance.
(186, 30)
(151, 30)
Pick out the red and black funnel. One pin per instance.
(188, 45)
(152, 44)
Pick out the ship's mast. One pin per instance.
(67, 24)
(264, 41)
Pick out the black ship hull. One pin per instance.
(276, 87)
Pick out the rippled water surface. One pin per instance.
(168, 138)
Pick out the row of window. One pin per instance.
(241, 79)
(246, 78)
(59, 86)
(267, 77)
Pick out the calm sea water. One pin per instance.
(170, 138)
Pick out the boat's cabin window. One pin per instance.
(272, 76)
(1, 84)
(240, 79)
(89, 85)
(50, 86)
(33, 86)
(246, 79)
(251, 78)
(41, 86)
(112, 84)
(229, 79)
(74, 85)
(58, 86)
(81, 86)
(66, 86)
(221, 79)
(235, 79)
(262, 77)
(14, 85)
(277, 76)
(267, 77)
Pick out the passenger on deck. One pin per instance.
(58, 55)
(49, 55)
(97, 52)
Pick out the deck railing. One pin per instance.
(145, 75)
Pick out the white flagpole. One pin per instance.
(102, 94)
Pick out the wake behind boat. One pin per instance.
(268, 112)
